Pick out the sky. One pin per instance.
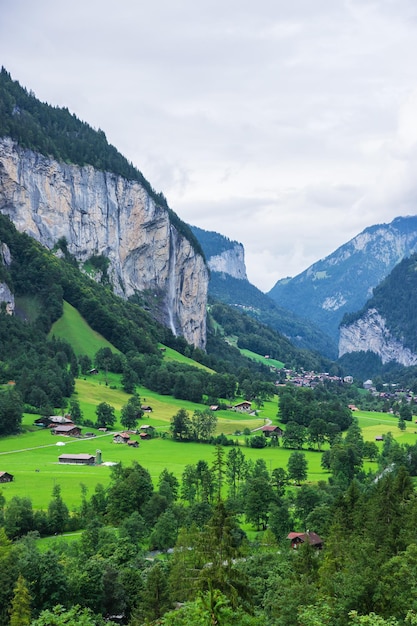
(286, 125)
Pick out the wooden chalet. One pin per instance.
(243, 407)
(5, 477)
(67, 430)
(146, 408)
(270, 430)
(51, 421)
(121, 438)
(298, 538)
(133, 443)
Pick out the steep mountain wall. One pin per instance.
(370, 333)
(100, 213)
(6, 296)
(231, 261)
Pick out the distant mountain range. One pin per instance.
(309, 308)
(228, 284)
(343, 281)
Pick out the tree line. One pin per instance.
(365, 574)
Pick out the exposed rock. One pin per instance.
(231, 261)
(100, 213)
(370, 333)
(6, 295)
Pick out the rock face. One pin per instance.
(222, 254)
(6, 296)
(100, 213)
(370, 333)
(230, 262)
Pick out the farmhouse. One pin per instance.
(50, 421)
(68, 430)
(121, 438)
(243, 407)
(77, 459)
(146, 408)
(147, 431)
(312, 538)
(133, 444)
(5, 477)
(270, 430)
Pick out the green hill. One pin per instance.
(73, 328)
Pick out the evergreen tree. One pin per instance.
(20, 612)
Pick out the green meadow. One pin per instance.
(32, 456)
(72, 327)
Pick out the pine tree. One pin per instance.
(20, 609)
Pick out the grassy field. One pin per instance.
(32, 456)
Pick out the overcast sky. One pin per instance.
(287, 125)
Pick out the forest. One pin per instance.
(185, 552)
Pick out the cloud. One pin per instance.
(288, 126)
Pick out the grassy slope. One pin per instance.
(73, 328)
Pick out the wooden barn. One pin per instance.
(5, 477)
(77, 459)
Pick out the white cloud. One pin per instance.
(288, 126)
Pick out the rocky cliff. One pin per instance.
(231, 261)
(370, 333)
(222, 254)
(6, 296)
(100, 213)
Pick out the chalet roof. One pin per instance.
(65, 428)
(270, 428)
(313, 538)
(5, 474)
(81, 457)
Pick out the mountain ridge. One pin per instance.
(343, 281)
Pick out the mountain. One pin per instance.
(343, 281)
(61, 181)
(229, 284)
(222, 254)
(387, 324)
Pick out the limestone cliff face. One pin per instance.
(6, 296)
(100, 213)
(231, 261)
(370, 333)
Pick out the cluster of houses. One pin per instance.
(310, 379)
(146, 432)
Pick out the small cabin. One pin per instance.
(121, 438)
(298, 538)
(243, 407)
(67, 430)
(272, 431)
(5, 477)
